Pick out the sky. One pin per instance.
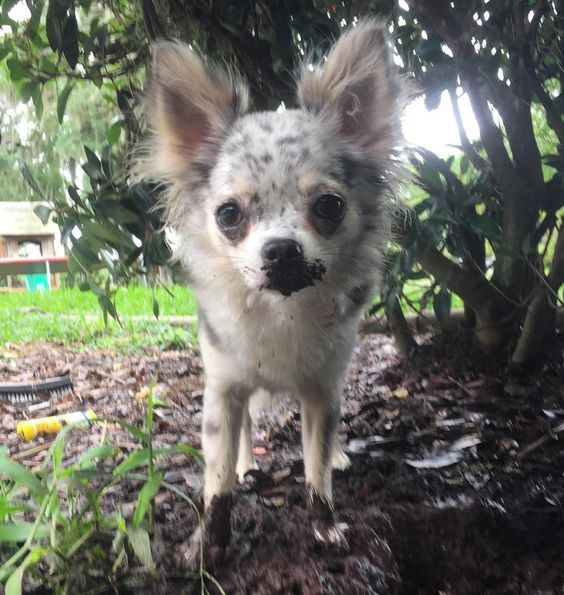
(436, 130)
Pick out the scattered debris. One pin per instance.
(456, 483)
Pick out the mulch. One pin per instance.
(456, 484)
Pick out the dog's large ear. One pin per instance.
(189, 104)
(358, 85)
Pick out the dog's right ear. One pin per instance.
(189, 104)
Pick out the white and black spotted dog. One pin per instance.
(282, 217)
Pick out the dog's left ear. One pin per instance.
(359, 87)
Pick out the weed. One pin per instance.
(60, 528)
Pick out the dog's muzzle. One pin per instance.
(286, 267)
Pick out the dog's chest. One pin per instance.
(279, 347)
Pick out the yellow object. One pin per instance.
(142, 394)
(32, 428)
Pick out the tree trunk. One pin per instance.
(540, 320)
(400, 329)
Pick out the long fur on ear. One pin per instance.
(189, 104)
(359, 87)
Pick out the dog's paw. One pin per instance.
(206, 546)
(244, 468)
(325, 529)
(330, 533)
(339, 459)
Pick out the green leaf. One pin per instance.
(30, 180)
(18, 70)
(62, 101)
(57, 450)
(81, 246)
(139, 540)
(8, 508)
(70, 40)
(430, 177)
(146, 495)
(43, 212)
(20, 531)
(53, 26)
(185, 449)
(37, 102)
(100, 232)
(116, 211)
(441, 305)
(21, 476)
(135, 254)
(114, 131)
(4, 52)
(27, 90)
(93, 172)
(99, 451)
(95, 288)
(108, 306)
(75, 196)
(106, 161)
(134, 431)
(485, 226)
(36, 9)
(91, 156)
(464, 164)
(156, 309)
(136, 458)
(140, 456)
(14, 583)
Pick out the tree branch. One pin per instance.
(474, 289)
(552, 115)
(471, 153)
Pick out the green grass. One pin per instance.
(132, 300)
(75, 318)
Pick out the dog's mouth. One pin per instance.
(290, 278)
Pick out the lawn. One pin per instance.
(74, 317)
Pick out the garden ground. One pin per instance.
(456, 484)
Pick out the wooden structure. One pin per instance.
(23, 235)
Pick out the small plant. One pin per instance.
(61, 525)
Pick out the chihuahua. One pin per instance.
(282, 219)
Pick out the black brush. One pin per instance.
(22, 393)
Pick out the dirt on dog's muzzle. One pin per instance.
(290, 278)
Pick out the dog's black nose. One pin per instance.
(281, 251)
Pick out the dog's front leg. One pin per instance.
(245, 459)
(320, 416)
(224, 403)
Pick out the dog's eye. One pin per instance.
(329, 206)
(229, 214)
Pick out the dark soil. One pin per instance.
(456, 484)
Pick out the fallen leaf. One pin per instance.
(438, 461)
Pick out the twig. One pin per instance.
(536, 444)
